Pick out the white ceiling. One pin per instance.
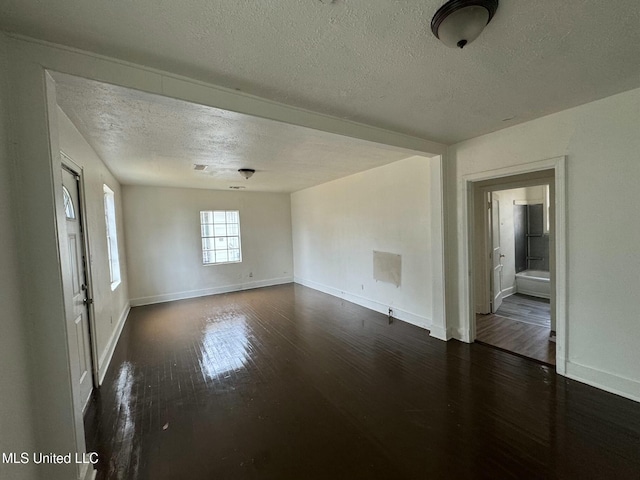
(148, 139)
(371, 61)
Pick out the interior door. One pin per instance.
(78, 317)
(496, 254)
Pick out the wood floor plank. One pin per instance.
(521, 338)
(288, 383)
(526, 309)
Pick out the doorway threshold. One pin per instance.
(518, 338)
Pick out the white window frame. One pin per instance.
(210, 233)
(112, 236)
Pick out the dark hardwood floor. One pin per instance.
(522, 325)
(288, 383)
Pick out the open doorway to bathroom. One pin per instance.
(514, 264)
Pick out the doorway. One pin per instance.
(77, 287)
(474, 241)
(516, 316)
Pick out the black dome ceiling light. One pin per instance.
(459, 22)
(246, 172)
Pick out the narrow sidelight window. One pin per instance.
(220, 231)
(112, 237)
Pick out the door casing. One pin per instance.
(472, 185)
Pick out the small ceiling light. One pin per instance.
(459, 22)
(247, 172)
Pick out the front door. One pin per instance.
(78, 317)
(496, 254)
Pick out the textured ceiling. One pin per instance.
(371, 61)
(148, 139)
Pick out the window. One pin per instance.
(112, 237)
(220, 231)
(69, 211)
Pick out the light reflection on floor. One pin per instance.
(126, 425)
(224, 346)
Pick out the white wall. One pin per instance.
(16, 427)
(338, 225)
(164, 245)
(110, 307)
(602, 143)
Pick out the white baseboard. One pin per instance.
(399, 314)
(509, 291)
(169, 297)
(561, 364)
(460, 334)
(105, 358)
(440, 333)
(625, 387)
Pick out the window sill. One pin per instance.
(114, 285)
(220, 263)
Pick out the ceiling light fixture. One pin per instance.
(459, 22)
(247, 172)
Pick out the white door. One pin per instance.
(78, 317)
(496, 255)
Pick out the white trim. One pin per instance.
(107, 355)
(440, 333)
(465, 246)
(459, 334)
(449, 333)
(398, 314)
(625, 387)
(170, 297)
(561, 290)
(507, 292)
